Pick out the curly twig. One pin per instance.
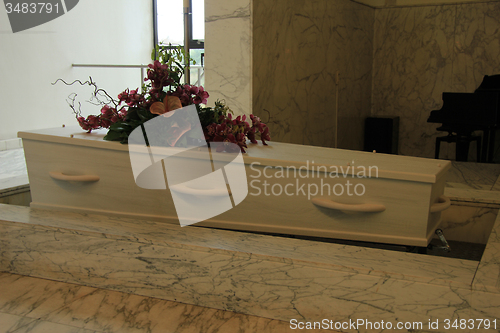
(72, 99)
(90, 83)
(97, 92)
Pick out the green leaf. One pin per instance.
(144, 114)
(132, 114)
(119, 126)
(113, 136)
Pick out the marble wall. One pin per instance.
(228, 53)
(420, 52)
(280, 60)
(299, 48)
(468, 223)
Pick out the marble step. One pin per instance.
(34, 305)
(259, 275)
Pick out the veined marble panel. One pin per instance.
(477, 44)
(228, 53)
(263, 288)
(485, 306)
(346, 258)
(412, 67)
(312, 70)
(469, 196)
(468, 224)
(488, 274)
(421, 52)
(496, 186)
(480, 176)
(12, 323)
(36, 305)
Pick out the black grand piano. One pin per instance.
(464, 113)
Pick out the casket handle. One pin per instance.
(442, 204)
(181, 188)
(366, 208)
(68, 178)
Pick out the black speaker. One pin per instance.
(382, 134)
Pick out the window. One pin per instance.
(182, 22)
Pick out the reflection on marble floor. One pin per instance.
(33, 305)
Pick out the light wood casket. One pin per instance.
(292, 189)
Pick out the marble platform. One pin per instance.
(256, 275)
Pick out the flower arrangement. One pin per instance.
(161, 94)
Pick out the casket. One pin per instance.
(292, 189)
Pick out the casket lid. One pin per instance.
(283, 155)
(342, 160)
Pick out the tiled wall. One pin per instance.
(298, 49)
(420, 52)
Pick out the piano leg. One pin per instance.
(484, 148)
(479, 147)
(488, 149)
(462, 150)
(438, 146)
(491, 146)
(462, 145)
